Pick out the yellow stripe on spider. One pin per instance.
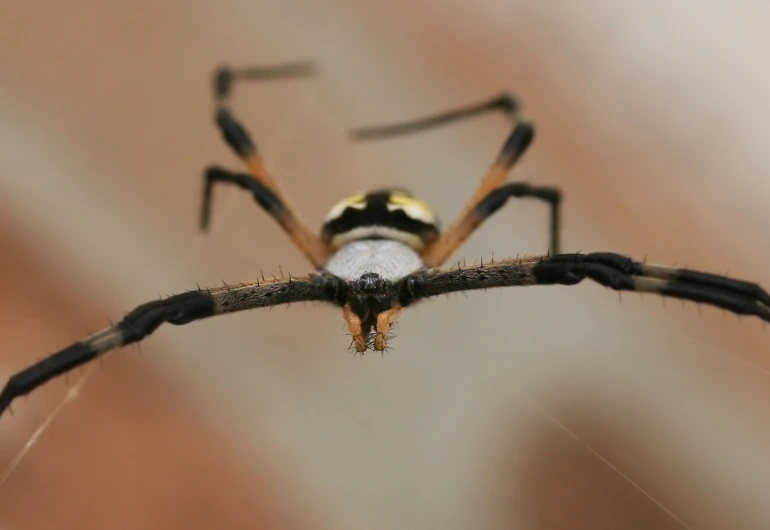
(381, 214)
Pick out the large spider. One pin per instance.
(379, 252)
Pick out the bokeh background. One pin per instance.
(537, 408)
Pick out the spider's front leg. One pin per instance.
(178, 310)
(606, 268)
(621, 273)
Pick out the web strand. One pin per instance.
(542, 410)
(71, 395)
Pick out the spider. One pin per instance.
(379, 252)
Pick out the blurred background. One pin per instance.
(540, 408)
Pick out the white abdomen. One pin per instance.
(392, 260)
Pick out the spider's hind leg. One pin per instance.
(261, 183)
(264, 197)
(490, 194)
(498, 197)
(225, 77)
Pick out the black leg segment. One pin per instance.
(498, 197)
(624, 274)
(505, 103)
(262, 183)
(178, 310)
(611, 270)
(225, 77)
(264, 197)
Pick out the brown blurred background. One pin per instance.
(533, 409)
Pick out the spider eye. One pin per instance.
(382, 214)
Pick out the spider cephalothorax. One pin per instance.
(379, 252)
(377, 237)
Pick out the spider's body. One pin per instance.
(377, 238)
(381, 251)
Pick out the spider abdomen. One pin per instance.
(382, 214)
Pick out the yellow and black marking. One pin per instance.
(381, 214)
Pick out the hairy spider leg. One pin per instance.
(259, 180)
(489, 196)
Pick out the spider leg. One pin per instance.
(443, 247)
(384, 322)
(239, 140)
(358, 333)
(608, 269)
(476, 209)
(264, 197)
(496, 199)
(225, 77)
(178, 310)
(503, 102)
